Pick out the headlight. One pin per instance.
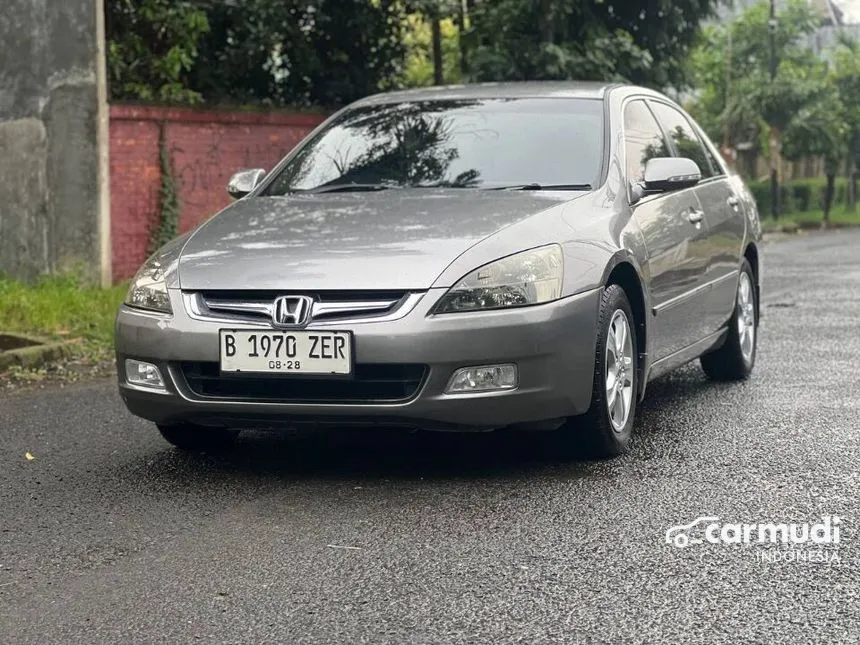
(527, 278)
(148, 289)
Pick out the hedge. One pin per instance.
(799, 195)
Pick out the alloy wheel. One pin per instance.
(746, 317)
(619, 370)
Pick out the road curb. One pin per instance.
(37, 352)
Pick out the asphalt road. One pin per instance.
(109, 535)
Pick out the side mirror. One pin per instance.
(244, 181)
(663, 174)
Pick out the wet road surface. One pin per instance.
(109, 535)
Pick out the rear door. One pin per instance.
(673, 237)
(723, 214)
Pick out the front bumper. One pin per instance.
(552, 345)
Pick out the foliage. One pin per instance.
(840, 217)
(818, 129)
(568, 39)
(275, 52)
(731, 67)
(846, 78)
(152, 45)
(418, 69)
(167, 226)
(799, 195)
(326, 53)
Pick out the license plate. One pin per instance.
(287, 352)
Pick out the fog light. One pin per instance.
(143, 374)
(484, 378)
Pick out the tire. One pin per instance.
(601, 433)
(186, 436)
(734, 361)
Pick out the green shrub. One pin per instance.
(803, 193)
(798, 195)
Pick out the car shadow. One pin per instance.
(671, 396)
(392, 453)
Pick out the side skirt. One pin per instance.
(684, 356)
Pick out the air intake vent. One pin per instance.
(371, 383)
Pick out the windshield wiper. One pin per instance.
(535, 186)
(345, 188)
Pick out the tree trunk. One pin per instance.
(463, 13)
(828, 196)
(547, 26)
(852, 182)
(775, 160)
(438, 72)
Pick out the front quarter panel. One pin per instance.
(593, 233)
(169, 254)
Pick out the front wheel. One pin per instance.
(186, 436)
(608, 424)
(735, 359)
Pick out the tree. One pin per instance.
(819, 130)
(152, 45)
(846, 78)
(276, 52)
(419, 65)
(301, 52)
(569, 39)
(433, 32)
(734, 65)
(235, 64)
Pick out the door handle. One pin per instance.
(695, 216)
(734, 202)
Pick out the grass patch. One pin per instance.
(62, 308)
(839, 217)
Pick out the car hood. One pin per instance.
(397, 239)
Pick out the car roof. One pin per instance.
(508, 90)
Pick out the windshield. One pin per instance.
(453, 143)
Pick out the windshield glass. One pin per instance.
(453, 143)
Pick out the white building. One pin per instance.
(835, 12)
(840, 17)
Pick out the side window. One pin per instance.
(643, 139)
(687, 142)
(718, 168)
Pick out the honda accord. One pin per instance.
(465, 258)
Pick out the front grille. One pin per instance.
(370, 383)
(257, 306)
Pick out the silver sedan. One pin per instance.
(523, 255)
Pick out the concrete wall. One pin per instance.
(53, 199)
(205, 146)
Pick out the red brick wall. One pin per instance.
(206, 148)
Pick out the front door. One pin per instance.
(675, 235)
(722, 211)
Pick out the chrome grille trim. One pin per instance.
(322, 309)
(237, 307)
(258, 312)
